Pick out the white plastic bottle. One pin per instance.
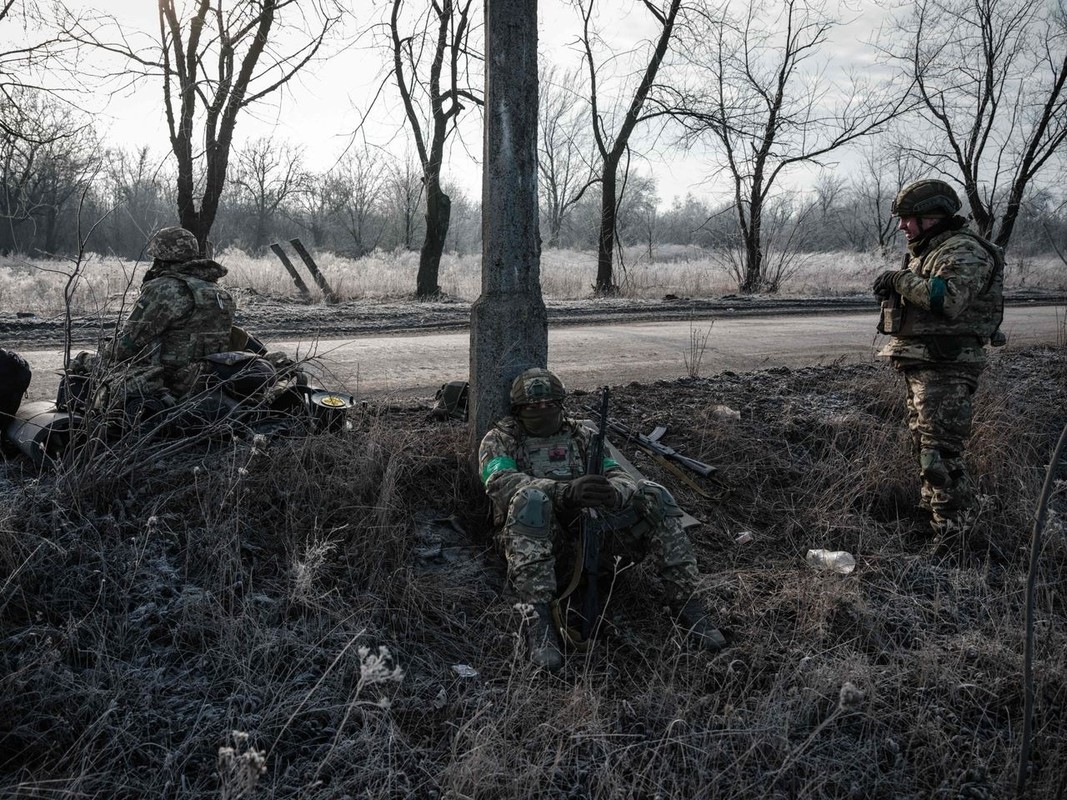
(837, 561)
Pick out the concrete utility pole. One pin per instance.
(509, 326)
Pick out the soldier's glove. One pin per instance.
(885, 284)
(589, 491)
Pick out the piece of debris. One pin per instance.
(465, 670)
(744, 537)
(725, 414)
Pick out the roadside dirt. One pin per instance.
(285, 318)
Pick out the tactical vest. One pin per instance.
(201, 332)
(982, 315)
(557, 457)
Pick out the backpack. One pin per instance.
(450, 401)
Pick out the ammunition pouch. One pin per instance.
(892, 317)
(530, 514)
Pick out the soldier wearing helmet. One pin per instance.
(949, 295)
(533, 468)
(181, 315)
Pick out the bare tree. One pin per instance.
(46, 157)
(315, 204)
(360, 181)
(29, 45)
(266, 175)
(990, 76)
(435, 89)
(403, 196)
(769, 106)
(613, 149)
(885, 166)
(564, 166)
(215, 59)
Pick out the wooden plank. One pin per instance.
(313, 268)
(300, 285)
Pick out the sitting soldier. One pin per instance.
(180, 316)
(533, 467)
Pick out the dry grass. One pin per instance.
(246, 607)
(36, 285)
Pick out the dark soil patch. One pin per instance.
(270, 589)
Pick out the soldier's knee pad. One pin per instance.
(530, 514)
(656, 503)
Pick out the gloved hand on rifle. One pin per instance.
(590, 491)
(885, 284)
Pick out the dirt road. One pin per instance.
(590, 355)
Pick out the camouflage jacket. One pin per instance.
(180, 316)
(953, 300)
(510, 459)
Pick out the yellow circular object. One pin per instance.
(333, 401)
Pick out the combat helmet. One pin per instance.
(173, 244)
(535, 385)
(926, 198)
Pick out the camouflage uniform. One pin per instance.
(181, 315)
(525, 478)
(15, 377)
(952, 302)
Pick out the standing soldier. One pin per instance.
(181, 315)
(940, 311)
(533, 467)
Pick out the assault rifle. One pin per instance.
(592, 528)
(653, 445)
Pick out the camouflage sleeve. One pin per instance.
(500, 473)
(962, 269)
(159, 305)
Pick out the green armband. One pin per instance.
(495, 465)
(937, 294)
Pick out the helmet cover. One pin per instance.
(536, 385)
(926, 198)
(173, 244)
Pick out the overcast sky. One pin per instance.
(325, 104)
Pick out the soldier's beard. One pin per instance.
(541, 421)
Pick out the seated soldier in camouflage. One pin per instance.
(533, 465)
(180, 316)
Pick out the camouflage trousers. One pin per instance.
(537, 540)
(940, 409)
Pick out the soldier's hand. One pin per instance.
(884, 284)
(590, 491)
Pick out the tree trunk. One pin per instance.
(438, 215)
(605, 278)
(509, 325)
(753, 281)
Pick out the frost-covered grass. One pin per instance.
(323, 617)
(37, 285)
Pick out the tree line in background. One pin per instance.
(748, 83)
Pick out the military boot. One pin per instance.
(543, 639)
(693, 619)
